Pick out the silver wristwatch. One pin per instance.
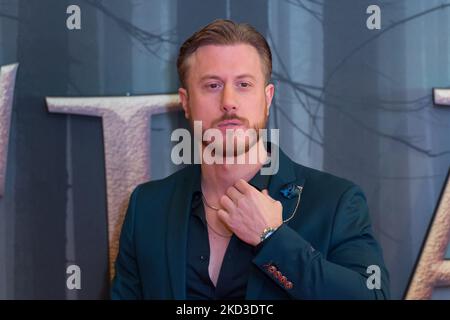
(267, 233)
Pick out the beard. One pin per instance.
(236, 142)
(240, 141)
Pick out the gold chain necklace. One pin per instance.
(218, 233)
(209, 205)
(216, 209)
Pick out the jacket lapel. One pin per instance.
(177, 230)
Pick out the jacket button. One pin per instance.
(272, 269)
(288, 285)
(278, 275)
(283, 279)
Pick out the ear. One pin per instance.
(183, 95)
(269, 91)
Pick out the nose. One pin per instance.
(229, 99)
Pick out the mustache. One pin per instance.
(230, 117)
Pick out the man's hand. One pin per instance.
(248, 212)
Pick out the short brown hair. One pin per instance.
(225, 32)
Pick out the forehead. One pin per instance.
(224, 61)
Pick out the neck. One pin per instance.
(217, 178)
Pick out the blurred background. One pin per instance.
(350, 101)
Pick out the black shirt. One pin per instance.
(235, 269)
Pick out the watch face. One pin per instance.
(266, 233)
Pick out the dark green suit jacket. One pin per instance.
(324, 251)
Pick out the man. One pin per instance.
(226, 231)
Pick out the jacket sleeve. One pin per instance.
(126, 284)
(343, 272)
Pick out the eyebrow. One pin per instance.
(246, 75)
(211, 76)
